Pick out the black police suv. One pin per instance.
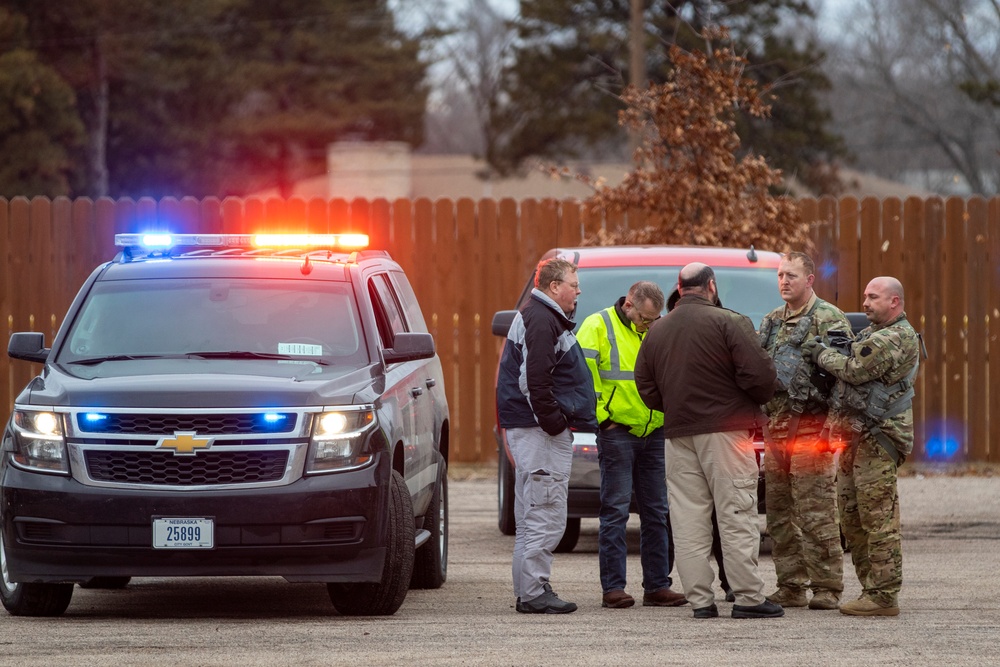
(230, 405)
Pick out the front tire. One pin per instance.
(21, 599)
(384, 597)
(505, 494)
(430, 567)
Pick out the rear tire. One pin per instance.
(22, 599)
(570, 536)
(505, 494)
(384, 597)
(430, 567)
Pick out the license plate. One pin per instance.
(183, 533)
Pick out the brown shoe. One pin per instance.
(824, 600)
(617, 599)
(788, 597)
(663, 598)
(865, 606)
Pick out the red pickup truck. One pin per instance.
(748, 283)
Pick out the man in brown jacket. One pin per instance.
(703, 365)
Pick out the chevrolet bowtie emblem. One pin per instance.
(184, 443)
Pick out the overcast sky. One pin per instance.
(831, 13)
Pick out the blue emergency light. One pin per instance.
(164, 241)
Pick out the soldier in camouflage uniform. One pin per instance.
(873, 394)
(799, 465)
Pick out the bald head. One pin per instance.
(883, 299)
(697, 278)
(889, 285)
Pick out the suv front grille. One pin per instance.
(204, 424)
(167, 469)
(188, 449)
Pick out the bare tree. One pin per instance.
(689, 182)
(917, 91)
(471, 60)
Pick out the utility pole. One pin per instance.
(637, 45)
(637, 57)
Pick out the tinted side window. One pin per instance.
(410, 306)
(387, 312)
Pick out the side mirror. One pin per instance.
(502, 321)
(409, 347)
(29, 346)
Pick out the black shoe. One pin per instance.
(711, 611)
(765, 609)
(546, 603)
(517, 605)
(730, 595)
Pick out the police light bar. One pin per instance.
(162, 241)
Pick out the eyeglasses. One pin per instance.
(575, 285)
(648, 322)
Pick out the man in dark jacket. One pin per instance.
(704, 366)
(544, 389)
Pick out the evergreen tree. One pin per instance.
(314, 71)
(39, 125)
(219, 97)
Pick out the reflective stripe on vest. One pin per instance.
(615, 372)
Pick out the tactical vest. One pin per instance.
(871, 403)
(793, 370)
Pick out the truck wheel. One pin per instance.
(32, 599)
(505, 494)
(571, 535)
(385, 597)
(430, 566)
(106, 583)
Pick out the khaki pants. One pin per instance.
(706, 471)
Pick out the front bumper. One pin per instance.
(322, 528)
(584, 501)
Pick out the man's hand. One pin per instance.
(812, 347)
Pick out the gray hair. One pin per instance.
(646, 290)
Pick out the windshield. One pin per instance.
(217, 318)
(750, 291)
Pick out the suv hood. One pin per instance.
(205, 387)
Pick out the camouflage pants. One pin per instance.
(802, 514)
(869, 517)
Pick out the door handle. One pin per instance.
(416, 391)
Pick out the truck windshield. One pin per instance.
(750, 291)
(217, 318)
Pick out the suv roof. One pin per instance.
(638, 255)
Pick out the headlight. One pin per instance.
(38, 442)
(338, 440)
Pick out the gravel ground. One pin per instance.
(949, 607)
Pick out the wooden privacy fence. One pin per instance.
(467, 259)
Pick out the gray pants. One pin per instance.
(542, 464)
(715, 471)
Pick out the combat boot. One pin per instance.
(824, 600)
(865, 606)
(788, 597)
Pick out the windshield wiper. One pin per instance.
(125, 357)
(232, 354)
(243, 354)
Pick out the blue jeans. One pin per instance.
(629, 463)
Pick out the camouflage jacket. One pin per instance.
(886, 354)
(781, 329)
